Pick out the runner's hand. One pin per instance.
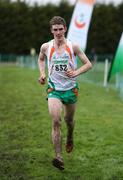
(42, 80)
(71, 73)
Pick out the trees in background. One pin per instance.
(23, 27)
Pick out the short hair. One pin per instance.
(57, 20)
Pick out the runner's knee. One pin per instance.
(56, 124)
(68, 120)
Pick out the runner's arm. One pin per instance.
(86, 64)
(41, 64)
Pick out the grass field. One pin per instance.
(26, 150)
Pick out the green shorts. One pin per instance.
(67, 97)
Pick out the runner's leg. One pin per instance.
(69, 111)
(55, 108)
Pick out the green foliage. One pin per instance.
(23, 27)
(26, 150)
(105, 29)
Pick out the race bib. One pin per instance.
(61, 67)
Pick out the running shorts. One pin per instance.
(66, 97)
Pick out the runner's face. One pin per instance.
(58, 31)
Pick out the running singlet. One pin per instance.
(58, 63)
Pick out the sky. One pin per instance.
(71, 1)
